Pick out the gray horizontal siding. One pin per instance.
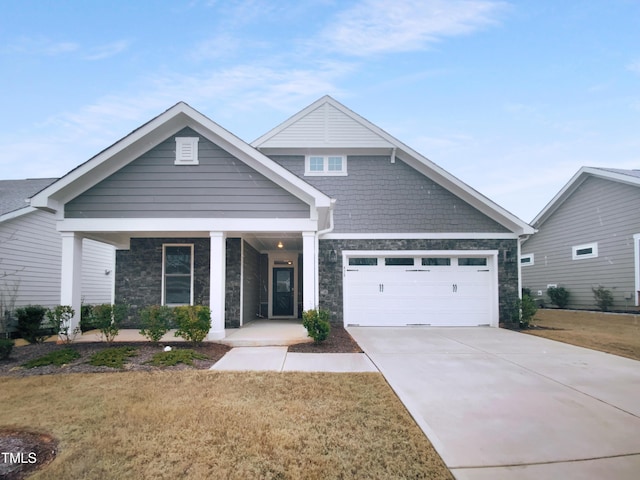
(378, 196)
(220, 186)
(600, 211)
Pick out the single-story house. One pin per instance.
(588, 236)
(325, 210)
(31, 248)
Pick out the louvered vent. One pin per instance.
(187, 150)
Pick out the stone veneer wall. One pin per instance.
(331, 278)
(138, 281)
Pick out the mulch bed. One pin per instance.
(24, 452)
(339, 341)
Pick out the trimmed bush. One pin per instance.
(193, 322)
(107, 318)
(113, 357)
(559, 296)
(30, 323)
(58, 358)
(174, 357)
(156, 321)
(6, 345)
(317, 324)
(603, 297)
(87, 322)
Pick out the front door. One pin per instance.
(283, 292)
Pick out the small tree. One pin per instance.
(107, 318)
(603, 297)
(559, 296)
(193, 322)
(317, 324)
(524, 310)
(156, 321)
(30, 323)
(60, 319)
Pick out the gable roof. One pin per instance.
(327, 124)
(629, 177)
(15, 194)
(136, 143)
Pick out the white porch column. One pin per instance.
(217, 285)
(71, 277)
(309, 277)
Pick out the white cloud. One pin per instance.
(40, 46)
(634, 66)
(108, 50)
(380, 26)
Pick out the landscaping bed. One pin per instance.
(339, 341)
(614, 333)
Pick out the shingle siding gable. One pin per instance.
(378, 196)
(153, 187)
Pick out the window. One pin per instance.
(177, 275)
(589, 250)
(436, 262)
(186, 151)
(325, 165)
(526, 260)
(472, 262)
(398, 261)
(363, 261)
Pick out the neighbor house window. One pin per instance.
(186, 151)
(589, 250)
(177, 274)
(526, 259)
(325, 165)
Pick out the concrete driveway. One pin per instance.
(498, 404)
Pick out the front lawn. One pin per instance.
(204, 424)
(608, 332)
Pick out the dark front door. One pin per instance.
(282, 292)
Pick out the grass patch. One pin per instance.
(234, 425)
(176, 356)
(113, 357)
(618, 334)
(57, 358)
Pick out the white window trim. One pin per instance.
(530, 256)
(325, 170)
(187, 151)
(594, 251)
(164, 250)
(636, 241)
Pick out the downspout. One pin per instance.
(316, 275)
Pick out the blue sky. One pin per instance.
(512, 97)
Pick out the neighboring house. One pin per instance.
(31, 248)
(588, 236)
(326, 210)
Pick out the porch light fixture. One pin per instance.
(280, 245)
(333, 256)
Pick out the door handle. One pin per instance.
(381, 287)
(455, 288)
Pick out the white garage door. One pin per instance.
(435, 289)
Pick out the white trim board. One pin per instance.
(420, 236)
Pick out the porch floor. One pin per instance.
(258, 333)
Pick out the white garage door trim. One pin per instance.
(443, 309)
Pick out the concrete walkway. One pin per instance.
(502, 405)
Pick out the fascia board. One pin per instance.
(16, 214)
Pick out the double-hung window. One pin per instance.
(177, 274)
(325, 165)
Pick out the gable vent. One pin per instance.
(187, 150)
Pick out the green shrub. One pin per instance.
(60, 319)
(107, 318)
(528, 310)
(193, 322)
(317, 324)
(87, 322)
(30, 323)
(559, 296)
(57, 357)
(113, 357)
(174, 357)
(603, 297)
(156, 321)
(6, 345)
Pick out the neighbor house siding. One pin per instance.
(30, 262)
(601, 211)
(153, 187)
(378, 196)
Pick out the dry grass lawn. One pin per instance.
(608, 332)
(204, 425)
